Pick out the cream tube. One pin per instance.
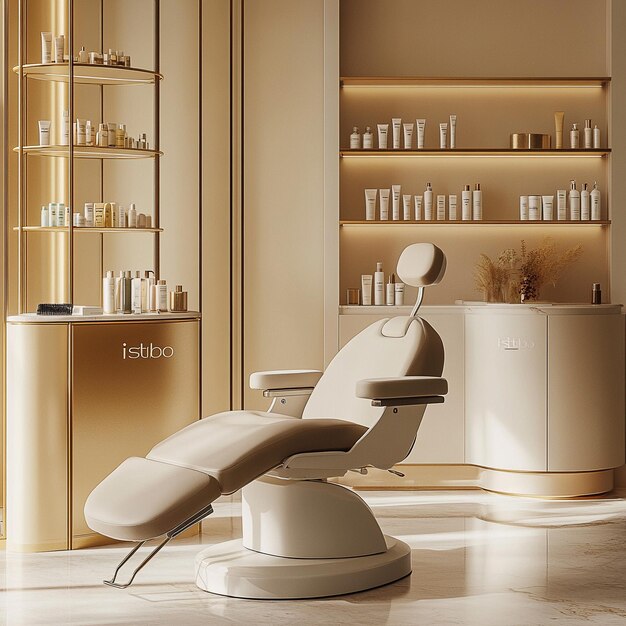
(421, 127)
(59, 48)
(395, 201)
(561, 204)
(441, 207)
(81, 132)
(383, 131)
(370, 204)
(453, 131)
(46, 47)
(44, 132)
(548, 207)
(384, 204)
(396, 123)
(558, 126)
(406, 206)
(408, 136)
(443, 135)
(366, 289)
(418, 207)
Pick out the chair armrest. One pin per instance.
(285, 379)
(405, 387)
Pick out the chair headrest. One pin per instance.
(421, 264)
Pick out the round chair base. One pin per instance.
(229, 569)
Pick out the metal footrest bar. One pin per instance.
(198, 517)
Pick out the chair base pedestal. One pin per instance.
(229, 569)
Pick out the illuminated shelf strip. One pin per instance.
(488, 152)
(89, 74)
(415, 81)
(397, 223)
(86, 229)
(90, 152)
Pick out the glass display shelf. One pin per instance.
(533, 223)
(90, 152)
(89, 74)
(477, 152)
(86, 229)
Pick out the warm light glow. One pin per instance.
(515, 154)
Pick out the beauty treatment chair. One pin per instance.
(303, 536)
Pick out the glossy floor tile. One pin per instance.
(478, 558)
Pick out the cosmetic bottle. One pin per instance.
(452, 212)
(46, 48)
(141, 220)
(574, 201)
(523, 208)
(136, 291)
(102, 136)
(396, 127)
(59, 48)
(108, 293)
(45, 221)
(534, 208)
(370, 204)
(121, 217)
(418, 207)
(143, 142)
(132, 216)
(118, 291)
(368, 139)
(596, 294)
(441, 207)
(390, 296)
(477, 203)
(89, 214)
(443, 135)
(384, 204)
(81, 132)
(52, 214)
(466, 204)
(178, 299)
(596, 210)
(121, 58)
(558, 125)
(395, 201)
(148, 221)
(574, 137)
(379, 285)
(112, 127)
(421, 127)
(366, 289)
(89, 131)
(68, 215)
(355, 139)
(561, 205)
(547, 208)
(428, 202)
(585, 207)
(588, 135)
(161, 287)
(120, 134)
(126, 293)
(108, 217)
(127, 61)
(596, 137)
(61, 214)
(44, 132)
(147, 282)
(65, 128)
(406, 206)
(383, 132)
(399, 294)
(83, 57)
(453, 131)
(408, 136)
(98, 215)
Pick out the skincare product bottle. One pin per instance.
(89, 215)
(112, 57)
(558, 125)
(596, 212)
(368, 139)
(121, 217)
(408, 136)
(44, 132)
(112, 127)
(443, 135)
(477, 203)
(396, 125)
(102, 136)
(52, 214)
(383, 131)
(574, 137)
(421, 127)
(366, 289)
(141, 220)
(120, 134)
(45, 222)
(534, 208)
(452, 212)
(561, 205)
(46, 48)
(59, 48)
(161, 300)
(390, 296)
(89, 133)
(384, 204)
(588, 135)
(428, 202)
(147, 283)
(108, 216)
(118, 292)
(395, 201)
(108, 293)
(453, 131)
(596, 294)
(406, 206)
(178, 299)
(83, 57)
(523, 208)
(547, 207)
(65, 128)
(355, 139)
(379, 285)
(418, 207)
(68, 216)
(574, 201)
(132, 216)
(466, 204)
(399, 294)
(126, 293)
(61, 214)
(441, 207)
(81, 132)
(370, 204)
(585, 208)
(98, 215)
(596, 137)
(136, 292)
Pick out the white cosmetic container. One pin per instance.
(135, 293)
(384, 204)
(98, 215)
(547, 207)
(379, 285)
(120, 135)
(102, 136)
(453, 131)
(443, 135)
(396, 125)
(59, 48)
(108, 293)
(161, 287)
(534, 208)
(418, 207)
(588, 135)
(395, 202)
(88, 213)
(383, 132)
(52, 214)
(574, 202)
(45, 221)
(68, 215)
(561, 205)
(366, 289)
(370, 204)
(421, 127)
(111, 127)
(523, 208)
(355, 139)
(60, 214)
(408, 136)
(368, 139)
(81, 133)
(596, 209)
(390, 295)
(89, 133)
(141, 220)
(585, 208)
(428, 202)
(466, 204)
(83, 57)
(596, 137)
(406, 206)
(477, 203)
(399, 294)
(452, 210)
(574, 137)
(121, 217)
(441, 207)
(132, 216)
(44, 132)
(46, 48)
(65, 128)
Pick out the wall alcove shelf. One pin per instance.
(86, 229)
(484, 152)
(532, 223)
(90, 152)
(89, 74)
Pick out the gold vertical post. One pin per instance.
(157, 142)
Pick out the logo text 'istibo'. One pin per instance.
(146, 351)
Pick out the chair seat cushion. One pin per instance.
(238, 446)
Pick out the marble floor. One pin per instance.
(478, 558)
